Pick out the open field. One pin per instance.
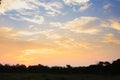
(35, 76)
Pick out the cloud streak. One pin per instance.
(75, 2)
(110, 38)
(79, 25)
(83, 4)
(25, 9)
(112, 23)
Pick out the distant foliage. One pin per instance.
(0, 1)
(99, 68)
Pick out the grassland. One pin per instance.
(35, 76)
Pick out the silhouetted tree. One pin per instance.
(99, 68)
(115, 67)
(68, 66)
(0, 1)
(107, 63)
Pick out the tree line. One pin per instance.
(99, 68)
(0, 1)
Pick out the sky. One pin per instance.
(59, 32)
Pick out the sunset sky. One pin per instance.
(59, 32)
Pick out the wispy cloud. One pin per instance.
(8, 5)
(107, 6)
(83, 4)
(53, 8)
(7, 33)
(79, 25)
(85, 7)
(36, 19)
(110, 38)
(30, 10)
(75, 2)
(9, 36)
(112, 23)
(55, 40)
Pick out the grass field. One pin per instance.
(35, 76)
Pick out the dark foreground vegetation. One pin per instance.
(100, 68)
(100, 71)
(40, 76)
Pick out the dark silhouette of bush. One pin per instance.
(0, 1)
(99, 68)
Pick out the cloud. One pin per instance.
(28, 35)
(85, 7)
(71, 43)
(30, 10)
(22, 8)
(53, 8)
(47, 38)
(79, 25)
(11, 37)
(75, 2)
(110, 38)
(15, 45)
(112, 23)
(83, 4)
(7, 33)
(56, 24)
(65, 42)
(36, 19)
(107, 6)
(8, 5)
(51, 34)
